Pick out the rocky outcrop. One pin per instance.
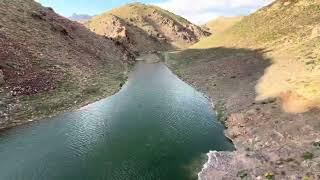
(179, 34)
(130, 36)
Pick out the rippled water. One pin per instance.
(156, 127)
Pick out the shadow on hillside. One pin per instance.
(226, 74)
(241, 76)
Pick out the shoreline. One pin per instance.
(53, 114)
(211, 153)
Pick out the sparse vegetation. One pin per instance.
(307, 156)
(269, 176)
(307, 178)
(221, 112)
(242, 174)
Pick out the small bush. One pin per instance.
(269, 175)
(307, 155)
(242, 174)
(306, 178)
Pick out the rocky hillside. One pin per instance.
(263, 77)
(290, 31)
(49, 63)
(133, 37)
(144, 28)
(221, 24)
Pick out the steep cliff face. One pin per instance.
(147, 26)
(42, 52)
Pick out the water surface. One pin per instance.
(156, 127)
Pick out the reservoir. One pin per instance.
(156, 128)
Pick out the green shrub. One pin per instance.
(307, 155)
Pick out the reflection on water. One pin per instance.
(156, 127)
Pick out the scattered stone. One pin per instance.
(37, 15)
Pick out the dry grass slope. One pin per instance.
(290, 30)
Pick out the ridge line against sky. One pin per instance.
(197, 11)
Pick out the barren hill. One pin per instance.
(145, 27)
(49, 63)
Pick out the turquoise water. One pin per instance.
(156, 127)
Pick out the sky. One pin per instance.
(197, 11)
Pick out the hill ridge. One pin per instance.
(169, 29)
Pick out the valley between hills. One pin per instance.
(261, 73)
